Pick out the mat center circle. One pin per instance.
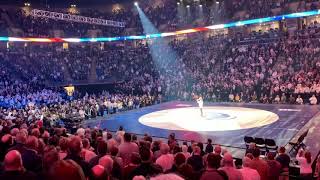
(215, 118)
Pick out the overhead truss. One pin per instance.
(75, 18)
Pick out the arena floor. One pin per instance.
(225, 123)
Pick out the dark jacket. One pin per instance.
(18, 175)
(31, 160)
(83, 164)
(146, 170)
(196, 162)
(19, 147)
(209, 148)
(95, 160)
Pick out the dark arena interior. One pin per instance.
(159, 89)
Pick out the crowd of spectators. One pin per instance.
(282, 70)
(262, 8)
(279, 69)
(274, 72)
(32, 65)
(38, 151)
(50, 105)
(167, 16)
(34, 144)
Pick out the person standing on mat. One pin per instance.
(200, 104)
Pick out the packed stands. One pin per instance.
(276, 66)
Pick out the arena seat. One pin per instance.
(248, 140)
(260, 142)
(271, 145)
(299, 143)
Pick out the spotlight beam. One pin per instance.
(164, 57)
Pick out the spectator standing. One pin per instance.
(185, 151)
(63, 144)
(32, 161)
(166, 160)
(120, 132)
(179, 160)
(99, 173)
(5, 144)
(274, 167)
(127, 148)
(146, 168)
(212, 172)
(134, 163)
(75, 148)
(229, 169)
(284, 160)
(107, 162)
(102, 150)
(87, 154)
(209, 147)
(13, 168)
(196, 160)
(313, 100)
(218, 151)
(299, 100)
(260, 165)
(66, 170)
(247, 172)
(317, 169)
(20, 139)
(304, 160)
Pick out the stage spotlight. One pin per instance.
(178, 3)
(188, 6)
(136, 3)
(200, 5)
(217, 2)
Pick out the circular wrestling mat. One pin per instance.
(216, 118)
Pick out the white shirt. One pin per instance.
(125, 151)
(313, 100)
(299, 100)
(232, 173)
(200, 102)
(305, 168)
(82, 113)
(231, 97)
(165, 161)
(249, 174)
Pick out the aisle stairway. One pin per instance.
(6, 18)
(311, 141)
(92, 76)
(66, 73)
(11, 28)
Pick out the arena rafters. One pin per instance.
(166, 34)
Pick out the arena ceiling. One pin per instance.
(62, 3)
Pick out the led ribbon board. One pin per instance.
(166, 34)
